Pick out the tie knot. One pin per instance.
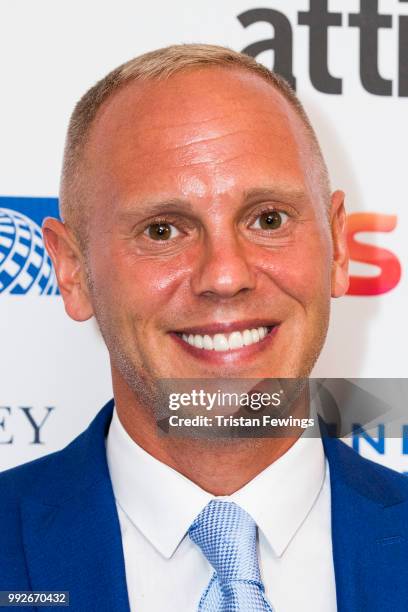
(226, 535)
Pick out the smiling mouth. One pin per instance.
(224, 342)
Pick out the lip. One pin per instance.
(233, 356)
(226, 328)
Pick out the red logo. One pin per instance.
(388, 263)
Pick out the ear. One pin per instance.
(69, 266)
(338, 225)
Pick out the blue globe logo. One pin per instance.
(25, 267)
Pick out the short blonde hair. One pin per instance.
(155, 65)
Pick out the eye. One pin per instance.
(270, 220)
(161, 231)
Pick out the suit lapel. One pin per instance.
(369, 532)
(71, 534)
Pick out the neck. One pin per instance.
(219, 466)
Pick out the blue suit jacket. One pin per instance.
(59, 528)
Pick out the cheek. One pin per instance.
(302, 270)
(145, 285)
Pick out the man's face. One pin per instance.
(207, 223)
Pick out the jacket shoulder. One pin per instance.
(25, 479)
(53, 477)
(15, 484)
(47, 481)
(372, 479)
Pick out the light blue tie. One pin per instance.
(226, 535)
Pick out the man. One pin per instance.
(198, 228)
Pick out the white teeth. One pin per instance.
(235, 340)
(222, 342)
(208, 343)
(247, 337)
(255, 335)
(198, 341)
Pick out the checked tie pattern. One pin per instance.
(226, 535)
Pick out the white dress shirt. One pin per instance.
(289, 501)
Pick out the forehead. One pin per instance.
(202, 124)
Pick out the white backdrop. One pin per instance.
(51, 52)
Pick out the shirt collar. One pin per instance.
(162, 503)
(281, 496)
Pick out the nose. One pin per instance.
(223, 269)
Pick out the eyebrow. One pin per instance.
(283, 194)
(176, 205)
(288, 194)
